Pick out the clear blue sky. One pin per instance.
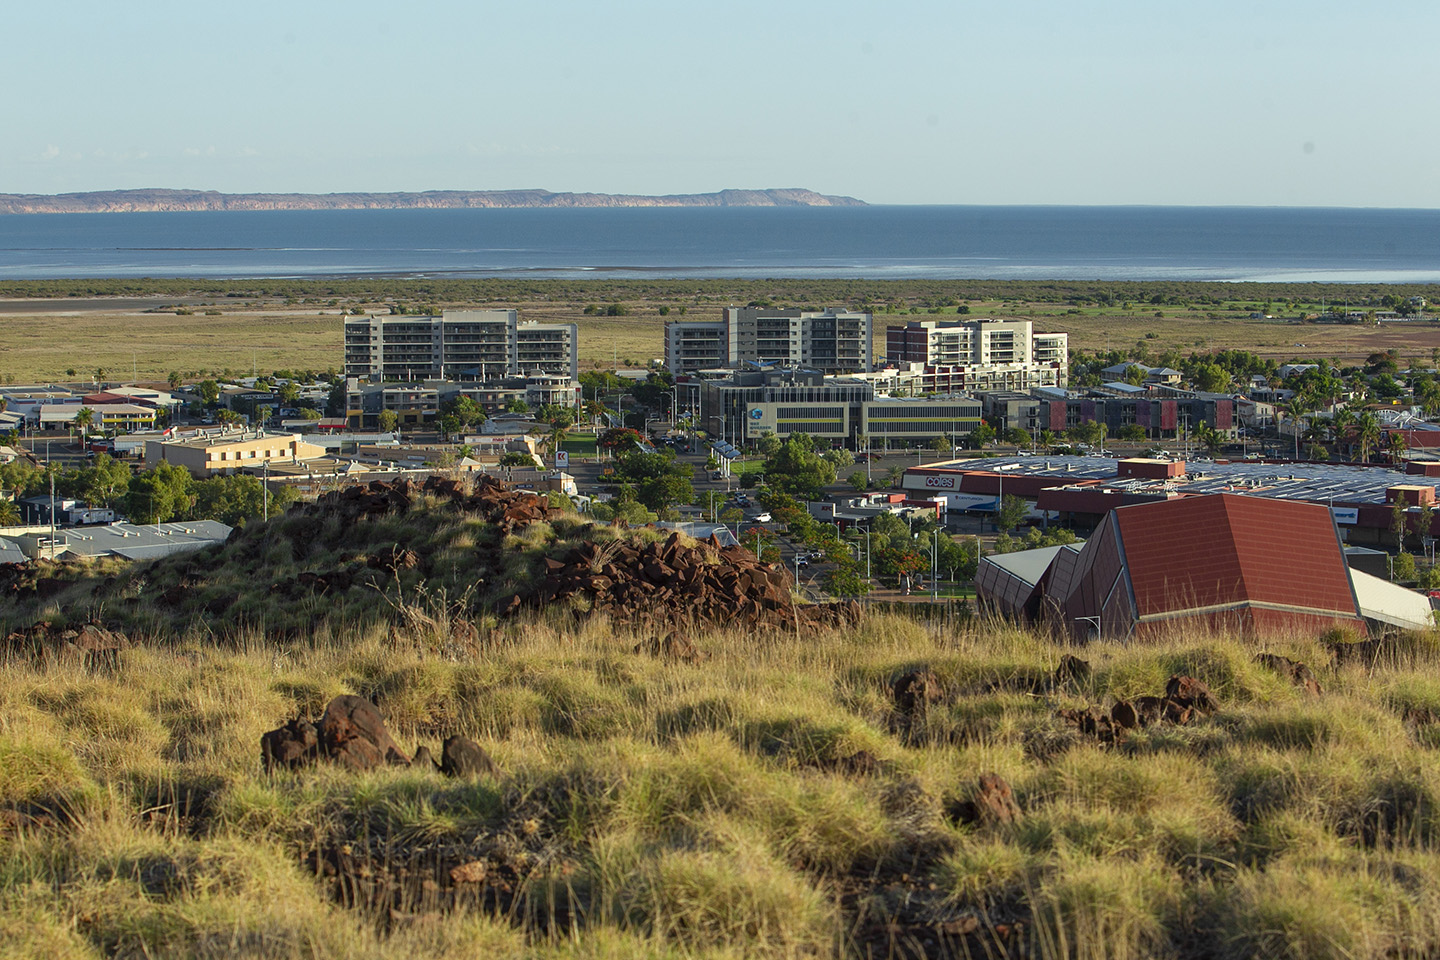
(1294, 102)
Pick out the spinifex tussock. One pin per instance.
(772, 799)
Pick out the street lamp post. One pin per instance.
(1093, 621)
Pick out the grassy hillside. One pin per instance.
(772, 797)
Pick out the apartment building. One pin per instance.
(459, 345)
(981, 354)
(830, 341)
(695, 345)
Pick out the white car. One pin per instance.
(761, 518)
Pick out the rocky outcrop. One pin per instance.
(168, 201)
(463, 757)
(353, 734)
(94, 644)
(666, 586)
(992, 803)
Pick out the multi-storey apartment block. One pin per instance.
(459, 345)
(829, 341)
(694, 345)
(982, 354)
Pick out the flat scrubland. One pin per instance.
(768, 799)
(54, 326)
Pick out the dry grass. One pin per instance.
(706, 810)
(269, 335)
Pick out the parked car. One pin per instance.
(762, 518)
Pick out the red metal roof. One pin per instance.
(1187, 555)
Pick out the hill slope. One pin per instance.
(884, 788)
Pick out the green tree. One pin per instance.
(237, 500)
(1367, 433)
(958, 558)
(104, 482)
(161, 494)
(663, 492)
(209, 392)
(1091, 432)
(859, 481)
(335, 402)
(464, 409)
(1396, 446)
(1208, 437)
(1012, 511)
(1403, 569)
(174, 380)
(84, 417)
(1211, 378)
(796, 469)
(1132, 433)
(387, 421)
(710, 503)
(618, 439)
(845, 580)
(1399, 522)
(768, 445)
(555, 415)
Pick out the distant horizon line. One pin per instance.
(261, 200)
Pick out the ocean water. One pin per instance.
(961, 242)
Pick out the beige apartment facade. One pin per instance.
(222, 454)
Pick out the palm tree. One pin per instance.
(1341, 422)
(1397, 446)
(83, 418)
(558, 431)
(1367, 431)
(1208, 437)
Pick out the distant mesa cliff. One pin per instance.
(165, 201)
